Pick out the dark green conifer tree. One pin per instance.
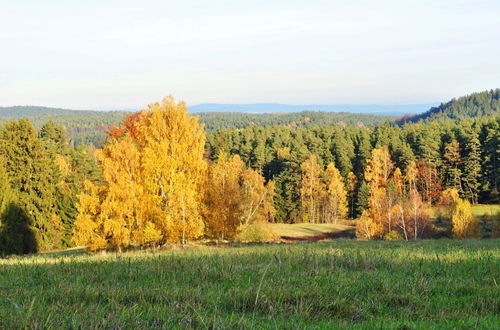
(472, 167)
(32, 178)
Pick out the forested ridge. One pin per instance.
(161, 178)
(474, 105)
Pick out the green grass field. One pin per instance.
(344, 283)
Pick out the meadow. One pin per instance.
(424, 284)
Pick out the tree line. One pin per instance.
(160, 178)
(89, 127)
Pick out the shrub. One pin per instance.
(393, 236)
(256, 232)
(366, 228)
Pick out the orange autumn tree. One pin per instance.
(235, 197)
(153, 169)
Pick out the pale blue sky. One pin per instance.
(124, 54)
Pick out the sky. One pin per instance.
(125, 54)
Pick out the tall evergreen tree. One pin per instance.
(32, 177)
(452, 164)
(363, 198)
(491, 163)
(472, 167)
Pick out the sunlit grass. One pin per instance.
(306, 229)
(489, 209)
(346, 283)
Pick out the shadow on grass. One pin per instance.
(16, 233)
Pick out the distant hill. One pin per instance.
(378, 109)
(474, 105)
(20, 111)
(32, 111)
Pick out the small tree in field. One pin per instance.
(463, 223)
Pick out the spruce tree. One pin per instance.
(452, 165)
(491, 163)
(31, 175)
(363, 197)
(472, 167)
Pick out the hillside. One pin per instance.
(473, 105)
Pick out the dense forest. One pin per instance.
(463, 154)
(222, 120)
(161, 178)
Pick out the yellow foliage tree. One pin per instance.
(173, 167)
(153, 169)
(118, 214)
(463, 222)
(335, 204)
(379, 167)
(311, 190)
(366, 227)
(377, 172)
(256, 198)
(223, 197)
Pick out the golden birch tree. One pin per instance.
(222, 211)
(173, 167)
(311, 190)
(256, 198)
(335, 196)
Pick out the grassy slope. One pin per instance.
(423, 284)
